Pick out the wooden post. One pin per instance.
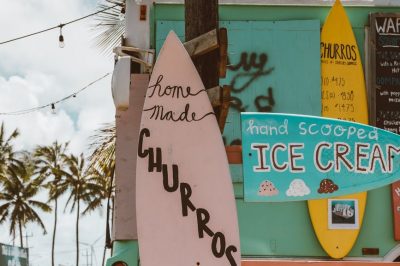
(201, 16)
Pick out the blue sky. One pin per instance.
(35, 71)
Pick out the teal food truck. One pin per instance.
(274, 65)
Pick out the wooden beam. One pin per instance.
(214, 94)
(220, 99)
(224, 108)
(223, 51)
(209, 42)
(202, 44)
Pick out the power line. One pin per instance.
(59, 26)
(52, 104)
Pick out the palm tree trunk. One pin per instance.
(108, 237)
(54, 230)
(77, 232)
(104, 256)
(20, 233)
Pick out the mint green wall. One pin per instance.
(284, 229)
(281, 70)
(358, 15)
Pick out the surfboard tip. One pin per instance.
(172, 34)
(337, 3)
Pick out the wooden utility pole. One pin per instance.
(201, 16)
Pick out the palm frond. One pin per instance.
(8, 157)
(34, 217)
(110, 26)
(4, 211)
(40, 205)
(50, 164)
(102, 145)
(93, 205)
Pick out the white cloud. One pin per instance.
(297, 188)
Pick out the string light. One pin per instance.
(52, 105)
(61, 38)
(53, 109)
(59, 26)
(61, 45)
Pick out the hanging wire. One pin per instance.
(59, 26)
(52, 104)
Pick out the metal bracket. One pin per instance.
(144, 57)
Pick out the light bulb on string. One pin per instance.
(61, 38)
(53, 109)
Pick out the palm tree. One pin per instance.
(8, 157)
(49, 164)
(102, 168)
(81, 189)
(17, 197)
(101, 177)
(102, 145)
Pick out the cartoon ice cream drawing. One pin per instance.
(297, 188)
(327, 186)
(267, 188)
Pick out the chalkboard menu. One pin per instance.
(385, 71)
(384, 86)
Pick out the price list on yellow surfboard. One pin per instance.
(337, 97)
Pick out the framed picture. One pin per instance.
(343, 214)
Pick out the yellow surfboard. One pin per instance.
(337, 221)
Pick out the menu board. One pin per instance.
(384, 47)
(385, 75)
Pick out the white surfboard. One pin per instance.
(186, 211)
